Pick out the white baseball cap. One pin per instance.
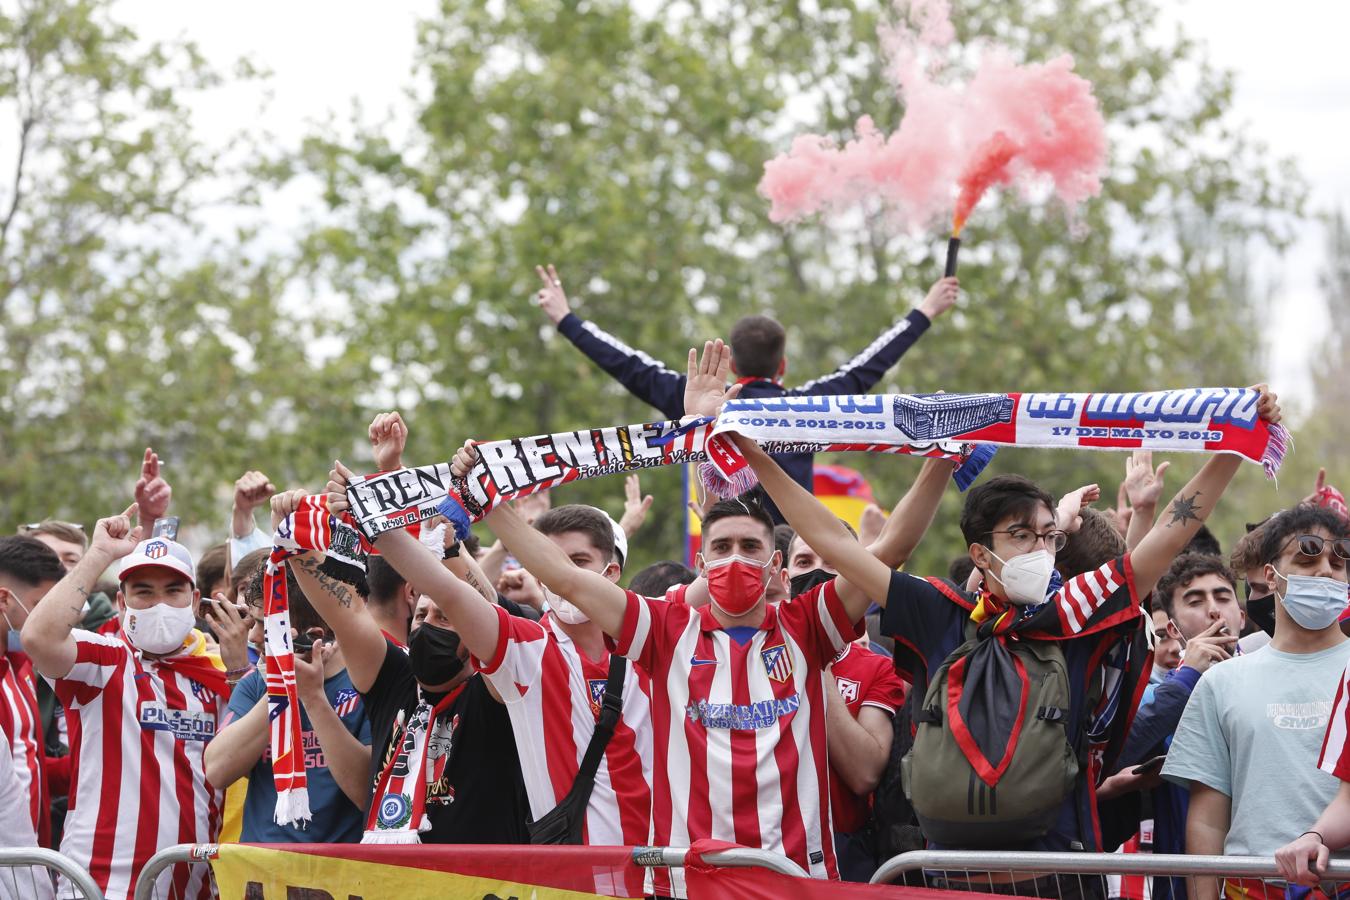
(158, 553)
(620, 539)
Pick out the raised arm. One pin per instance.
(1143, 489)
(861, 373)
(337, 603)
(862, 577)
(472, 615)
(913, 514)
(603, 601)
(47, 637)
(644, 377)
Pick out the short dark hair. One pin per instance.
(782, 538)
(248, 568)
(586, 519)
(996, 499)
(1095, 543)
(471, 544)
(959, 569)
(757, 344)
(1299, 520)
(62, 531)
(302, 613)
(1203, 542)
(1246, 553)
(740, 507)
(1186, 568)
(383, 581)
(211, 567)
(654, 580)
(30, 561)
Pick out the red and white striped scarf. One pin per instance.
(310, 527)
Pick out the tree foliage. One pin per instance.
(122, 323)
(624, 142)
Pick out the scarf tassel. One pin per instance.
(1279, 443)
(293, 807)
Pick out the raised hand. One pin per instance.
(1069, 513)
(388, 436)
(287, 502)
(705, 387)
(1267, 405)
(152, 491)
(114, 537)
(251, 490)
(941, 297)
(635, 505)
(552, 299)
(532, 506)
(466, 457)
(231, 625)
(1143, 483)
(870, 525)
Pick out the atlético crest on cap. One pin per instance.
(156, 549)
(777, 662)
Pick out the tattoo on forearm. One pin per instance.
(83, 593)
(340, 590)
(1185, 509)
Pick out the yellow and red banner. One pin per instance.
(389, 872)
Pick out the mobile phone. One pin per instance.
(165, 527)
(1151, 767)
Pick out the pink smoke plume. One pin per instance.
(1010, 123)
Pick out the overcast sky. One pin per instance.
(1293, 92)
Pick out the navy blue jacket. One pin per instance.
(661, 387)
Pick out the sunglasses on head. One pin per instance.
(38, 526)
(1312, 545)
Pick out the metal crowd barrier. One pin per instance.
(977, 870)
(650, 857)
(15, 859)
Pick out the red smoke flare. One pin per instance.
(989, 166)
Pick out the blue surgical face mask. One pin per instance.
(15, 641)
(1313, 602)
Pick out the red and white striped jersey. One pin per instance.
(1335, 756)
(738, 718)
(864, 678)
(21, 726)
(143, 725)
(553, 694)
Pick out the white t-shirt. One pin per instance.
(1253, 730)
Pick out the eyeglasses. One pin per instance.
(1312, 545)
(1024, 539)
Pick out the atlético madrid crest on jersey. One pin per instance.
(597, 686)
(777, 662)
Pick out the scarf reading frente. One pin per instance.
(962, 427)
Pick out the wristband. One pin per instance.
(1320, 839)
(452, 551)
(239, 672)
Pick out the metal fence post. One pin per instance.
(19, 857)
(170, 856)
(736, 857)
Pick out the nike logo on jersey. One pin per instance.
(695, 661)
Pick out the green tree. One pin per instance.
(625, 145)
(122, 322)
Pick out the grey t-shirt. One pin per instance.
(1252, 730)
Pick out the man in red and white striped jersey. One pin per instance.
(142, 706)
(738, 687)
(28, 569)
(551, 675)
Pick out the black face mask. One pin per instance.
(1261, 610)
(804, 582)
(434, 654)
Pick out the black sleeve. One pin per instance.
(861, 373)
(913, 605)
(1158, 718)
(644, 377)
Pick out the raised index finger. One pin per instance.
(131, 509)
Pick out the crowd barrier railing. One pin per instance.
(19, 878)
(647, 857)
(996, 868)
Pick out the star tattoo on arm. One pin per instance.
(1184, 510)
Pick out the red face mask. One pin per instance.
(735, 583)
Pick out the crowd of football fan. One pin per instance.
(1080, 680)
